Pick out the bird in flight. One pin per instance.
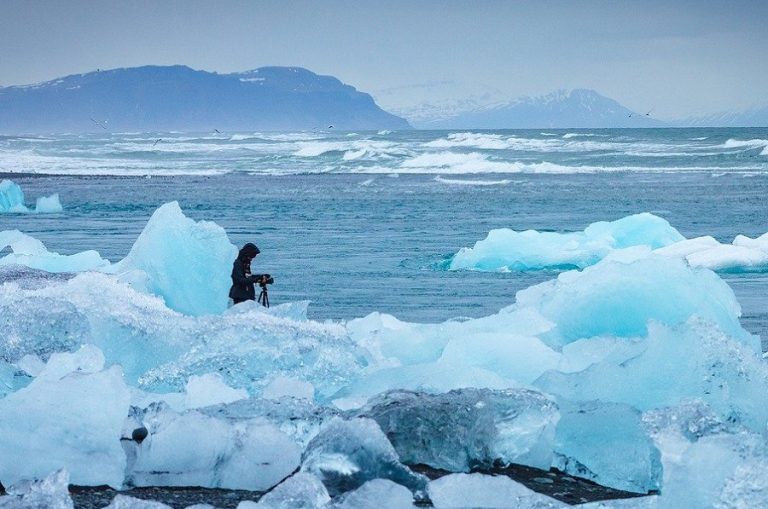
(156, 142)
(98, 123)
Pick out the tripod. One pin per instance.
(264, 296)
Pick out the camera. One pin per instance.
(266, 279)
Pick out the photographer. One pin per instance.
(242, 279)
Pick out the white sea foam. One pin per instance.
(485, 141)
(754, 143)
(468, 182)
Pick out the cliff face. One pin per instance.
(178, 98)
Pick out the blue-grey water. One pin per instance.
(359, 222)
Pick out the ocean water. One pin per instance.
(361, 222)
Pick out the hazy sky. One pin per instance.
(677, 58)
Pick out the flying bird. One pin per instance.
(217, 131)
(98, 123)
(156, 142)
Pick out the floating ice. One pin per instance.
(51, 492)
(69, 417)
(346, 454)
(468, 428)
(12, 200)
(506, 250)
(532, 250)
(491, 492)
(11, 197)
(48, 204)
(246, 454)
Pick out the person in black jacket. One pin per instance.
(242, 279)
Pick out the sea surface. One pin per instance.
(363, 222)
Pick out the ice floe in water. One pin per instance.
(12, 200)
(510, 250)
(633, 372)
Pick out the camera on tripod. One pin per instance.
(265, 280)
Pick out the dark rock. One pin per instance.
(139, 434)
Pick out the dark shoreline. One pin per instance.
(558, 485)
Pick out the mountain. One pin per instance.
(177, 98)
(561, 109)
(426, 102)
(755, 117)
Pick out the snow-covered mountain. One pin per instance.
(560, 109)
(755, 117)
(177, 98)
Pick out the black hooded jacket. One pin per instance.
(242, 284)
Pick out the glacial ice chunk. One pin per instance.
(30, 252)
(300, 491)
(373, 494)
(194, 449)
(284, 386)
(607, 443)
(51, 492)
(159, 349)
(48, 204)
(468, 428)
(300, 419)
(709, 462)
(70, 417)
(210, 389)
(198, 286)
(488, 492)
(618, 297)
(692, 360)
(346, 454)
(505, 249)
(126, 502)
(12, 200)
(11, 197)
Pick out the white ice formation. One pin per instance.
(510, 250)
(633, 371)
(12, 201)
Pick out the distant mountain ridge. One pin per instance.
(178, 98)
(578, 108)
(755, 117)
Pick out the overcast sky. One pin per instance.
(677, 58)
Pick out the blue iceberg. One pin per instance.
(505, 250)
(12, 200)
(607, 356)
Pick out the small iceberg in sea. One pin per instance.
(12, 201)
(505, 250)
